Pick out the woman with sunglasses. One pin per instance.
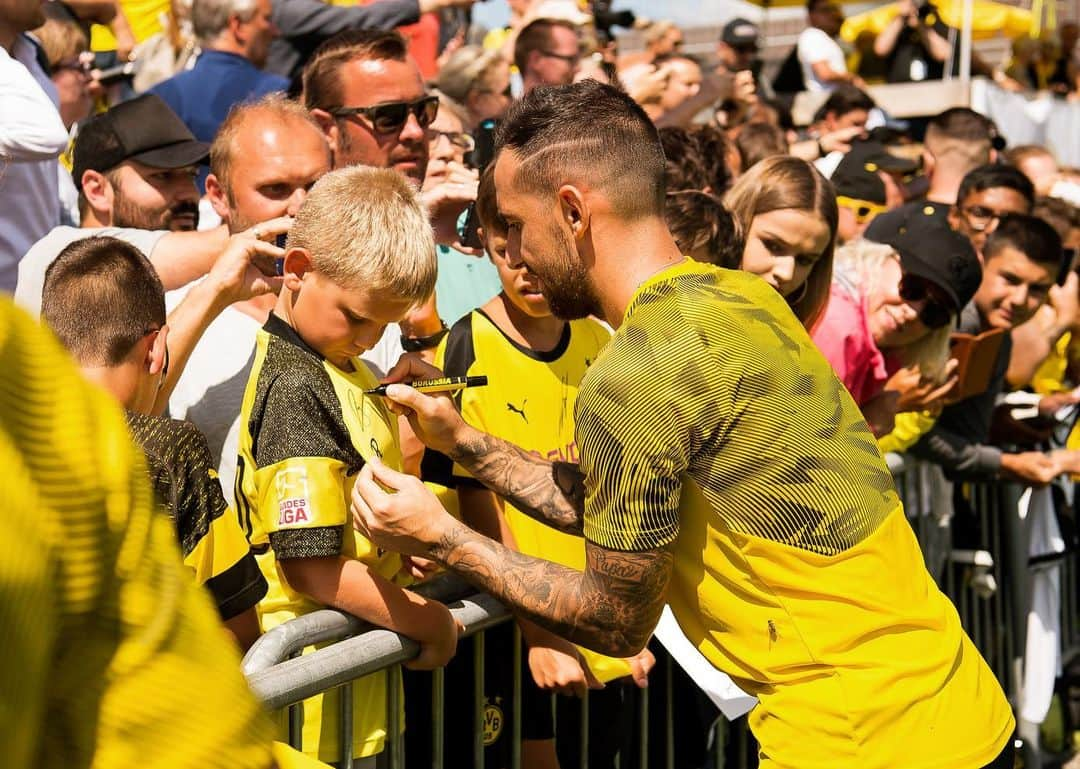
(891, 310)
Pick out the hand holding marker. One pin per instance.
(442, 385)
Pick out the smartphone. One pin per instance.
(470, 231)
(484, 150)
(279, 263)
(1068, 262)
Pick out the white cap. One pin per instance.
(561, 10)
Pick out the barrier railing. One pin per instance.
(986, 581)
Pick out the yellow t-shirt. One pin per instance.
(306, 429)
(529, 400)
(711, 425)
(112, 655)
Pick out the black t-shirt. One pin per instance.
(910, 58)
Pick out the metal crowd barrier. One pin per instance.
(987, 583)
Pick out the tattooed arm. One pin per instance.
(612, 607)
(553, 493)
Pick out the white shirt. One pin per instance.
(813, 46)
(211, 388)
(32, 136)
(31, 269)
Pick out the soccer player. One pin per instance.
(536, 362)
(723, 470)
(360, 254)
(105, 302)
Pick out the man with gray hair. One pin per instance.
(235, 37)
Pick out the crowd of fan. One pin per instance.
(174, 244)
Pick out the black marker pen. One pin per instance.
(445, 385)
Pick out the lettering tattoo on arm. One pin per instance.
(551, 492)
(612, 607)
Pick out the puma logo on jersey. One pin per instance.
(516, 410)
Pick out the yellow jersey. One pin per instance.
(306, 429)
(184, 477)
(112, 655)
(712, 426)
(529, 400)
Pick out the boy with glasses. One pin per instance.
(986, 195)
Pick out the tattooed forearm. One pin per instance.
(553, 493)
(611, 608)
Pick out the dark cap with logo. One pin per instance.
(931, 250)
(143, 129)
(739, 33)
(856, 175)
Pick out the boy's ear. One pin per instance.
(296, 264)
(157, 351)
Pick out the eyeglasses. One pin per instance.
(864, 210)
(459, 139)
(391, 116)
(71, 65)
(936, 312)
(569, 58)
(980, 217)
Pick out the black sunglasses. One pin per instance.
(389, 117)
(935, 313)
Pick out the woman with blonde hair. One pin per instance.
(479, 80)
(892, 308)
(785, 211)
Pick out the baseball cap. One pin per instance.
(558, 10)
(142, 129)
(740, 32)
(935, 252)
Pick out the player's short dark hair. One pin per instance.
(699, 220)
(994, 175)
(536, 36)
(587, 130)
(1031, 236)
(102, 296)
(322, 74)
(844, 99)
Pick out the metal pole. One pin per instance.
(393, 720)
(583, 757)
(296, 720)
(669, 713)
(643, 727)
(478, 701)
(966, 47)
(345, 724)
(515, 723)
(438, 717)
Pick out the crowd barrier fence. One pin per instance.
(987, 582)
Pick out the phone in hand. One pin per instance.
(470, 230)
(279, 263)
(483, 151)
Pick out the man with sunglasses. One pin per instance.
(1020, 261)
(986, 195)
(547, 52)
(369, 97)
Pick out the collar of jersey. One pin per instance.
(677, 270)
(543, 356)
(282, 330)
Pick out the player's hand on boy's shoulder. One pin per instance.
(433, 417)
(247, 267)
(440, 641)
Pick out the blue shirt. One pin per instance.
(464, 283)
(203, 95)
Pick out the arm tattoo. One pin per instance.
(551, 492)
(611, 608)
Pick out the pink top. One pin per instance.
(843, 336)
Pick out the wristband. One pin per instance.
(418, 343)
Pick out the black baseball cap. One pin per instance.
(144, 129)
(936, 252)
(740, 33)
(853, 179)
(874, 156)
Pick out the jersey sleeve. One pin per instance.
(638, 420)
(303, 456)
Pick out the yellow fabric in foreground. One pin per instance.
(113, 657)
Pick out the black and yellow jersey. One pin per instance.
(186, 487)
(306, 429)
(711, 425)
(112, 655)
(529, 400)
